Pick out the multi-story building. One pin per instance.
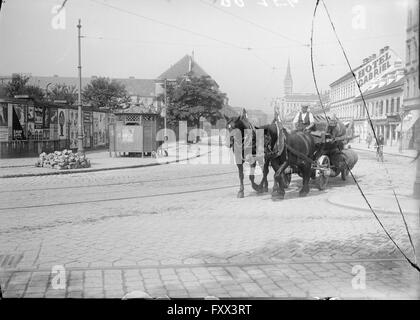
(411, 105)
(380, 78)
(383, 98)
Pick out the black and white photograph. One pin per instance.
(209, 150)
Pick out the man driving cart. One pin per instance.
(304, 120)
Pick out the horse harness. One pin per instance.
(279, 146)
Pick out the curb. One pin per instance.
(358, 208)
(60, 172)
(387, 153)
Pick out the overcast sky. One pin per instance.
(142, 38)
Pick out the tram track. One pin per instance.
(119, 198)
(116, 183)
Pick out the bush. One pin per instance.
(62, 160)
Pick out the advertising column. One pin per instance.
(46, 123)
(18, 122)
(62, 124)
(31, 123)
(54, 124)
(4, 131)
(38, 122)
(73, 128)
(87, 129)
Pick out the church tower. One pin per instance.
(288, 81)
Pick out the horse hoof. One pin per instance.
(265, 190)
(240, 194)
(303, 194)
(277, 196)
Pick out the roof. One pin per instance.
(138, 109)
(348, 75)
(302, 97)
(138, 87)
(390, 81)
(182, 67)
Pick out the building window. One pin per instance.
(392, 105)
(414, 86)
(381, 108)
(408, 53)
(398, 104)
(408, 88)
(387, 106)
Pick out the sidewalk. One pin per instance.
(100, 161)
(390, 150)
(379, 203)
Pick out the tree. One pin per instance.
(192, 98)
(106, 94)
(19, 86)
(63, 92)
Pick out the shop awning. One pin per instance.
(408, 124)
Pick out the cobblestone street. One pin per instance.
(179, 230)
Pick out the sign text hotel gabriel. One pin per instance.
(374, 68)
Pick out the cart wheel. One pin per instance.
(323, 174)
(287, 179)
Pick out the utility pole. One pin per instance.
(401, 132)
(166, 107)
(165, 138)
(79, 112)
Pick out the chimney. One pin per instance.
(365, 60)
(398, 64)
(131, 77)
(55, 76)
(374, 56)
(386, 48)
(381, 51)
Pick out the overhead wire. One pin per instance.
(212, 5)
(413, 264)
(169, 25)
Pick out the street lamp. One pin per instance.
(79, 111)
(400, 149)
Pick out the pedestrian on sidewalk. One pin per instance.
(369, 139)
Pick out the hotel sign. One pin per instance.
(374, 68)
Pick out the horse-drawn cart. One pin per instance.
(330, 159)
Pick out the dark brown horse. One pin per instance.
(242, 139)
(291, 151)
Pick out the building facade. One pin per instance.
(381, 80)
(411, 106)
(384, 99)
